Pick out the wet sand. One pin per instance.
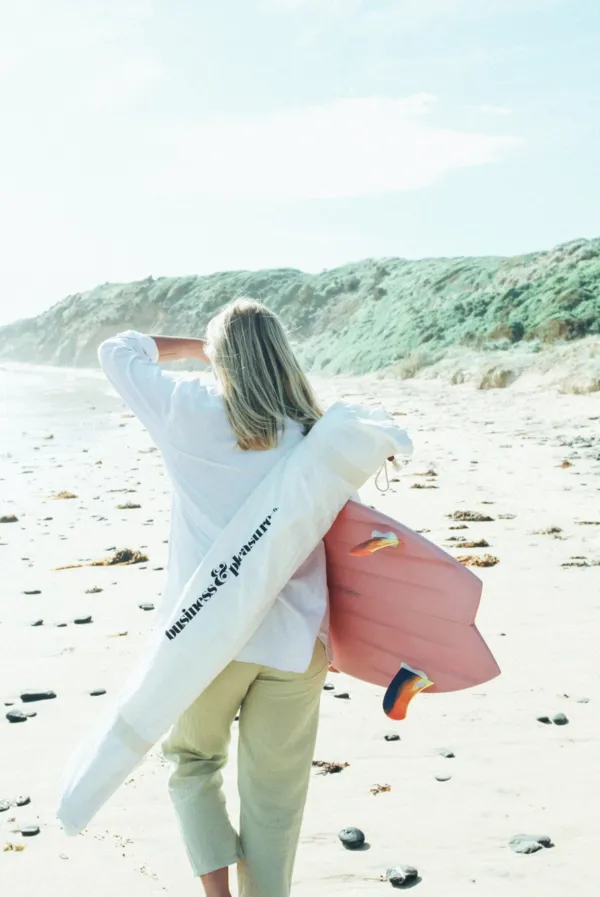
(528, 459)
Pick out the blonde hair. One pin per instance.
(263, 384)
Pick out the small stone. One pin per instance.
(4, 806)
(93, 591)
(82, 621)
(399, 876)
(22, 801)
(16, 716)
(146, 606)
(352, 838)
(583, 700)
(30, 713)
(8, 518)
(32, 592)
(60, 625)
(97, 692)
(392, 736)
(559, 719)
(449, 755)
(37, 623)
(28, 831)
(544, 719)
(33, 695)
(343, 695)
(529, 843)
(328, 687)
(443, 778)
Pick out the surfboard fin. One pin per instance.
(375, 543)
(402, 689)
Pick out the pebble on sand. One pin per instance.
(22, 801)
(4, 806)
(28, 831)
(9, 518)
(32, 592)
(95, 590)
(63, 495)
(559, 719)
(16, 716)
(97, 692)
(82, 621)
(128, 506)
(328, 687)
(530, 843)
(342, 694)
(352, 838)
(392, 736)
(449, 755)
(32, 695)
(399, 876)
(146, 606)
(37, 623)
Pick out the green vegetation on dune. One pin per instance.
(363, 317)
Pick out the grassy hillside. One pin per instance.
(364, 317)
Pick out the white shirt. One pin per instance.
(211, 477)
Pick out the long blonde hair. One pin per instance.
(263, 384)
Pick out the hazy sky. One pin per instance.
(158, 137)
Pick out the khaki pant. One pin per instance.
(277, 733)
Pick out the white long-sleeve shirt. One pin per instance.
(211, 477)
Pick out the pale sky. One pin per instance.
(170, 137)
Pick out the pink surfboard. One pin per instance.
(402, 611)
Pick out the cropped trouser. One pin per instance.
(277, 733)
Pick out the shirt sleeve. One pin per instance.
(130, 362)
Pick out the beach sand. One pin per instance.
(529, 459)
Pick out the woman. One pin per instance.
(219, 438)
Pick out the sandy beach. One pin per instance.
(529, 459)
